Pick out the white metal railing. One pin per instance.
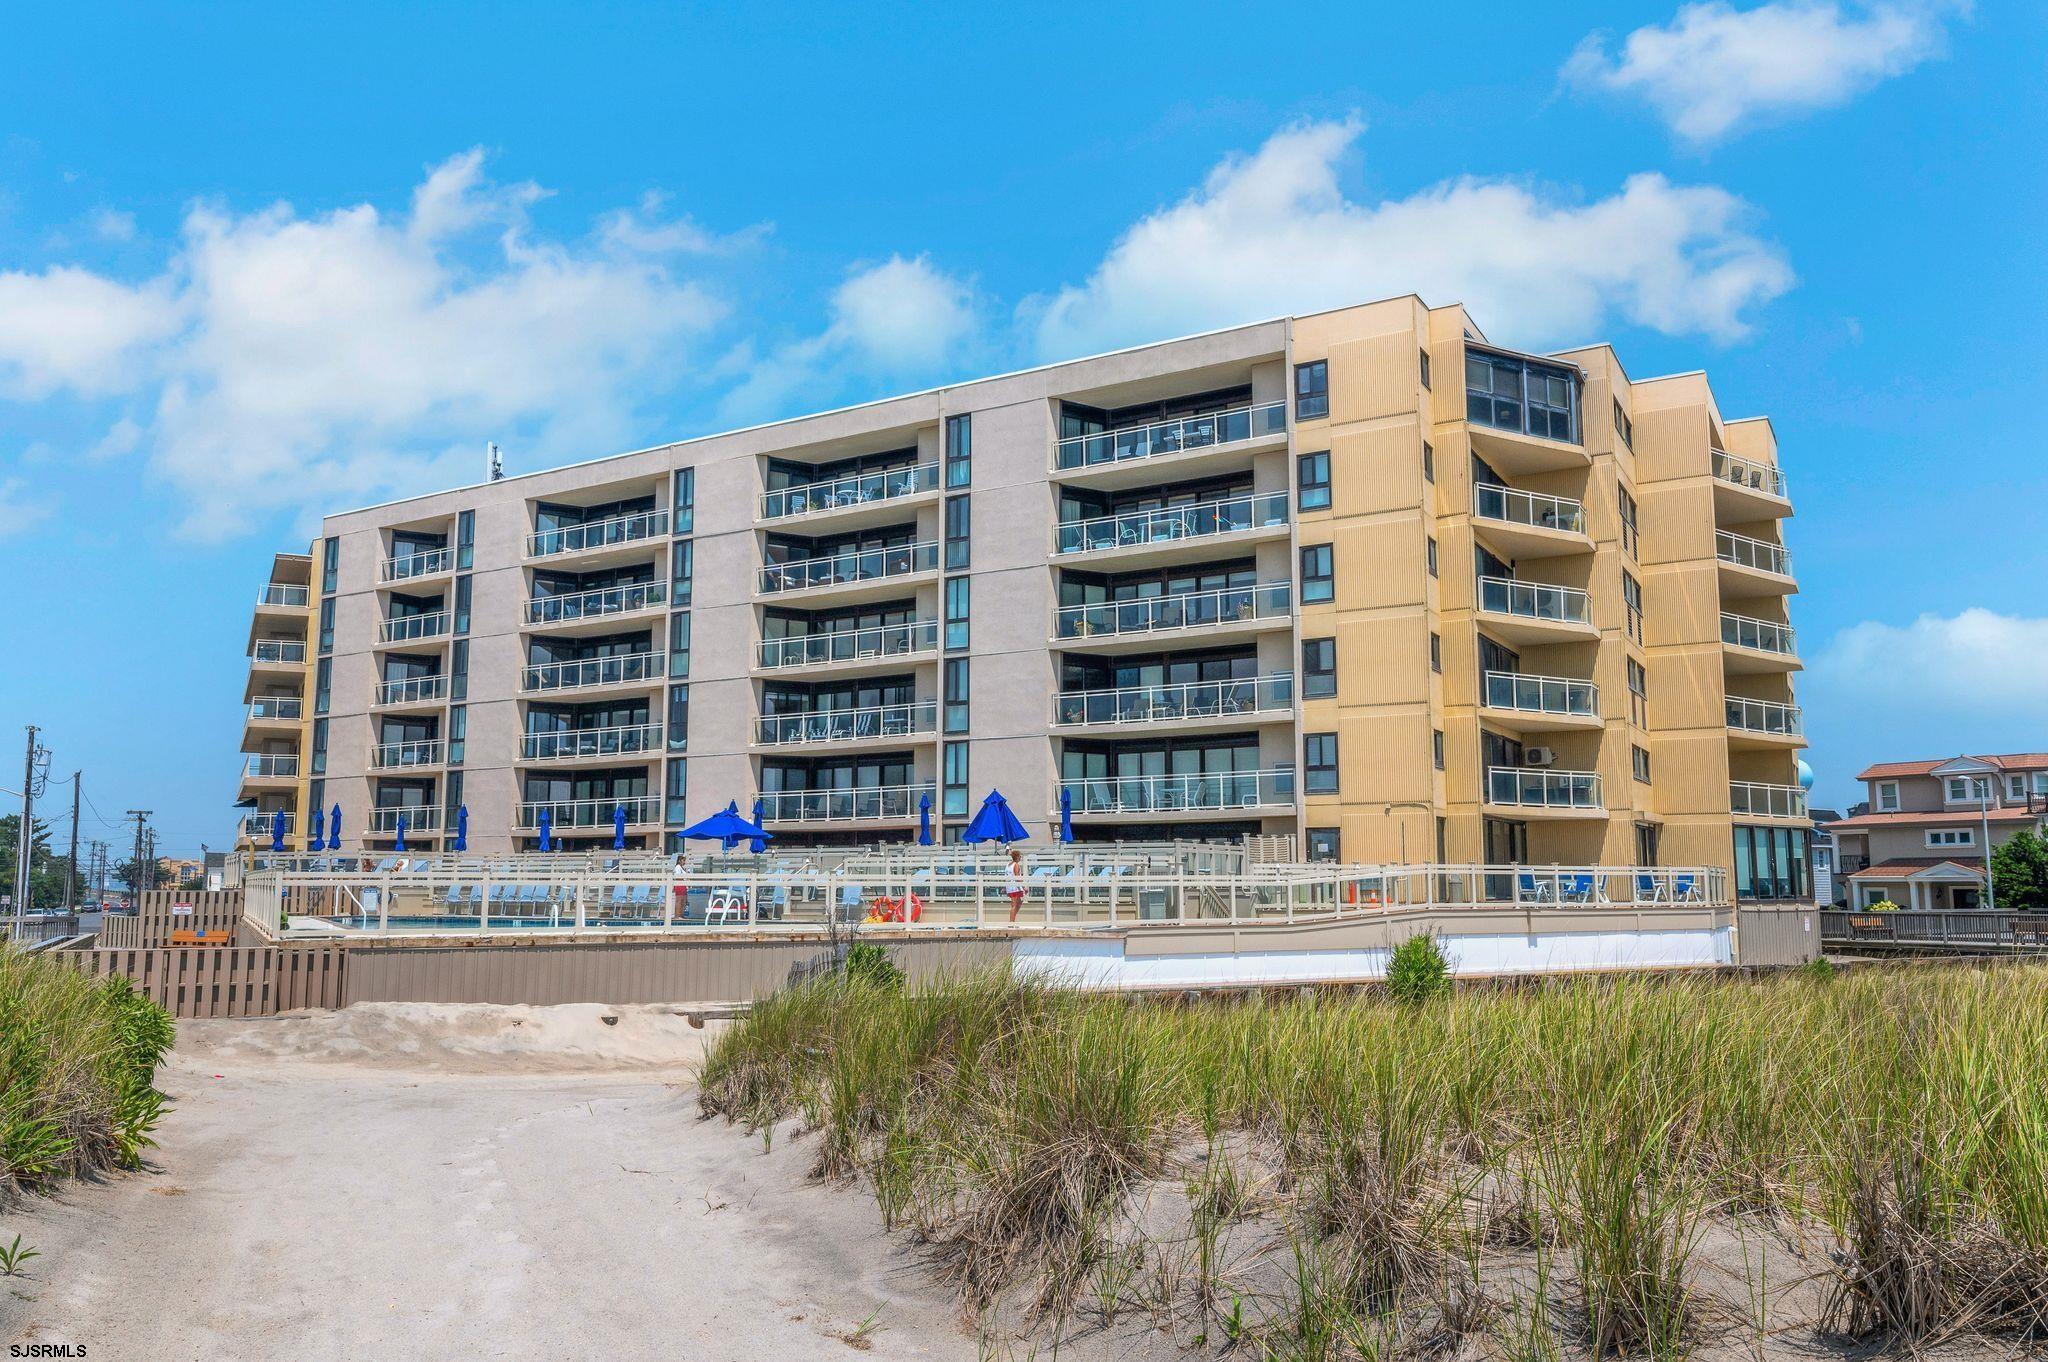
(590, 813)
(1513, 506)
(1758, 554)
(1758, 477)
(1190, 609)
(1768, 717)
(1188, 793)
(412, 690)
(279, 650)
(1758, 800)
(848, 725)
(1196, 520)
(262, 823)
(596, 603)
(856, 565)
(277, 707)
(418, 818)
(421, 752)
(1541, 694)
(273, 765)
(1521, 787)
(586, 672)
(630, 528)
(1172, 437)
(850, 645)
(844, 806)
(855, 489)
(1742, 631)
(1246, 696)
(620, 741)
(1534, 600)
(404, 628)
(283, 594)
(425, 563)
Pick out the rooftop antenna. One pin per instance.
(496, 464)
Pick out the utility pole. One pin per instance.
(98, 878)
(24, 836)
(71, 865)
(140, 816)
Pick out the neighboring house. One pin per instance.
(1821, 846)
(1922, 840)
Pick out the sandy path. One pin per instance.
(335, 1209)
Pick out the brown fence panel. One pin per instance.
(196, 982)
(163, 911)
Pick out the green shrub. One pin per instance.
(1417, 971)
(1820, 969)
(868, 963)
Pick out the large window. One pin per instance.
(1507, 392)
(1319, 755)
(957, 514)
(1315, 481)
(1318, 574)
(678, 718)
(1323, 844)
(682, 573)
(957, 611)
(954, 792)
(683, 518)
(1318, 668)
(1632, 598)
(1770, 863)
(1638, 694)
(1311, 390)
(959, 450)
(1628, 525)
(330, 566)
(956, 695)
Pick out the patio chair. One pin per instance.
(1529, 889)
(388, 863)
(454, 895)
(1577, 889)
(850, 896)
(1685, 888)
(1650, 889)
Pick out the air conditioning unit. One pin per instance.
(1538, 756)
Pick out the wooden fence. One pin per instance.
(228, 981)
(163, 911)
(1959, 931)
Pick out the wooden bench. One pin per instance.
(222, 937)
(1872, 925)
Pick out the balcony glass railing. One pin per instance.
(1173, 437)
(619, 529)
(1534, 600)
(851, 645)
(899, 802)
(1518, 787)
(1742, 551)
(277, 707)
(283, 594)
(279, 650)
(1188, 610)
(1741, 631)
(623, 741)
(1207, 792)
(1198, 520)
(1768, 718)
(1758, 477)
(1541, 694)
(273, 765)
(423, 752)
(412, 690)
(597, 603)
(848, 725)
(425, 563)
(861, 565)
(856, 489)
(584, 673)
(264, 823)
(590, 813)
(405, 628)
(418, 818)
(1512, 506)
(1750, 799)
(1243, 697)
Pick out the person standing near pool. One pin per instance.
(1013, 881)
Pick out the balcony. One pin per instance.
(413, 566)
(1764, 723)
(1529, 524)
(390, 756)
(1191, 444)
(1522, 415)
(600, 603)
(1758, 645)
(1752, 567)
(419, 818)
(283, 596)
(842, 500)
(853, 650)
(619, 531)
(1190, 706)
(1181, 795)
(410, 692)
(1535, 612)
(841, 726)
(1750, 799)
(858, 567)
(1226, 611)
(1539, 703)
(278, 652)
(593, 673)
(869, 804)
(272, 766)
(567, 814)
(413, 628)
(1546, 794)
(262, 824)
(1176, 533)
(583, 744)
(276, 709)
(1747, 490)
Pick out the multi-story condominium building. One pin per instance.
(1925, 836)
(1363, 578)
(274, 726)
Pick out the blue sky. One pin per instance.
(257, 260)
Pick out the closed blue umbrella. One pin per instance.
(994, 822)
(277, 831)
(1066, 814)
(461, 828)
(319, 820)
(401, 834)
(547, 841)
(334, 829)
(757, 845)
(618, 827)
(924, 820)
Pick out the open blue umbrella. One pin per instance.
(546, 821)
(924, 820)
(994, 822)
(334, 829)
(313, 842)
(277, 831)
(726, 826)
(401, 834)
(618, 827)
(758, 845)
(461, 828)
(1066, 814)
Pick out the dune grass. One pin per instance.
(1540, 1165)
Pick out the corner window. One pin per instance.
(1311, 390)
(1436, 748)
(1507, 392)
(1429, 555)
(1436, 653)
(1319, 754)
(330, 566)
(1318, 574)
(1428, 462)
(1314, 473)
(1318, 668)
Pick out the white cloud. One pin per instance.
(68, 328)
(1977, 663)
(109, 225)
(21, 510)
(1714, 68)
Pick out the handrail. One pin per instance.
(843, 806)
(596, 602)
(401, 628)
(259, 823)
(1521, 787)
(590, 813)
(283, 594)
(419, 752)
(1189, 609)
(1759, 800)
(278, 650)
(848, 725)
(1179, 700)
(1195, 520)
(1538, 510)
(584, 672)
(1171, 793)
(277, 707)
(1758, 477)
(411, 690)
(1208, 430)
(620, 740)
(855, 489)
(850, 645)
(1764, 636)
(1534, 600)
(425, 563)
(629, 528)
(854, 565)
(1770, 717)
(273, 764)
(1757, 554)
(1541, 694)
(418, 817)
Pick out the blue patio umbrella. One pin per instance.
(924, 820)
(461, 828)
(401, 834)
(618, 827)
(546, 821)
(277, 831)
(758, 845)
(726, 826)
(334, 829)
(994, 822)
(1066, 814)
(319, 821)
